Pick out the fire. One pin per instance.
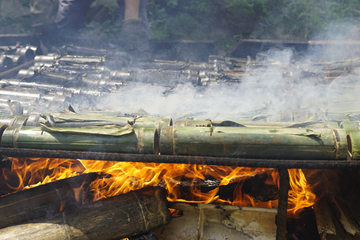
(300, 194)
(121, 177)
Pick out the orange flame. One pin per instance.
(300, 194)
(122, 177)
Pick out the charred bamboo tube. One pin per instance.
(26, 53)
(5, 62)
(37, 202)
(37, 50)
(141, 140)
(16, 59)
(127, 215)
(280, 143)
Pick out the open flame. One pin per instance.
(122, 177)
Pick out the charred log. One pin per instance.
(126, 215)
(42, 200)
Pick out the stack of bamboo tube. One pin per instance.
(273, 140)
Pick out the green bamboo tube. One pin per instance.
(12, 121)
(254, 142)
(353, 140)
(140, 141)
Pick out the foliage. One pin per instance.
(227, 21)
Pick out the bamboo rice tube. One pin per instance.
(279, 143)
(126, 215)
(46, 58)
(12, 121)
(109, 139)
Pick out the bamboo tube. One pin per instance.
(16, 59)
(46, 59)
(37, 202)
(126, 215)
(140, 140)
(280, 143)
(82, 60)
(12, 121)
(5, 62)
(26, 53)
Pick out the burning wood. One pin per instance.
(39, 201)
(134, 213)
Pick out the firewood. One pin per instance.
(126, 215)
(39, 201)
(323, 216)
(344, 216)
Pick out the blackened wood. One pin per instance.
(323, 215)
(39, 201)
(126, 215)
(344, 216)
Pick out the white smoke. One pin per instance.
(270, 91)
